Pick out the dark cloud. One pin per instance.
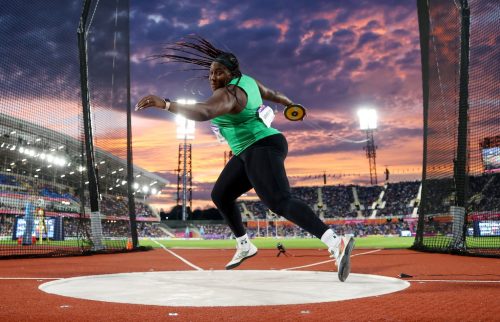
(344, 36)
(328, 146)
(373, 65)
(310, 123)
(401, 33)
(401, 15)
(392, 45)
(372, 24)
(352, 64)
(170, 176)
(410, 60)
(395, 133)
(366, 38)
(39, 47)
(318, 25)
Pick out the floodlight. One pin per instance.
(367, 119)
(185, 127)
(185, 131)
(368, 123)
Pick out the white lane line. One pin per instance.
(330, 260)
(371, 251)
(179, 257)
(451, 281)
(304, 266)
(31, 278)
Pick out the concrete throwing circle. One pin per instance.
(223, 288)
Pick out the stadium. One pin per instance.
(43, 170)
(94, 227)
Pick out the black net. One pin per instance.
(107, 48)
(483, 207)
(43, 179)
(446, 223)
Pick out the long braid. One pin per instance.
(197, 50)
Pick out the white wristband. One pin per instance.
(166, 100)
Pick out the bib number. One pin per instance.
(216, 131)
(266, 114)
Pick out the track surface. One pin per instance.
(443, 287)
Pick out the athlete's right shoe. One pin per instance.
(342, 256)
(241, 255)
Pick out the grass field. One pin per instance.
(369, 242)
(269, 243)
(263, 243)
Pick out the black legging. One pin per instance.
(261, 166)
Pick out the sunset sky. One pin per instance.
(333, 57)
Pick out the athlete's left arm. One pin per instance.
(272, 95)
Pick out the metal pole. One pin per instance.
(424, 30)
(87, 121)
(130, 160)
(374, 157)
(371, 155)
(461, 171)
(461, 159)
(184, 177)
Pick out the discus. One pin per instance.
(294, 112)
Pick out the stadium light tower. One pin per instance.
(368, 123)
(185, 132)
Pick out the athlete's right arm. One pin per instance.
(221, 102)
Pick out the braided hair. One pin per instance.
(196, 50)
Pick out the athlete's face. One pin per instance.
(219, 76)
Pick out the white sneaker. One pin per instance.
(342, 255)
(241, 255)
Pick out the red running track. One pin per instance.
(443, 288)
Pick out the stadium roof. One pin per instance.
(33, 149)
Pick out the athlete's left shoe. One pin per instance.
(241, 255)
(342, 256)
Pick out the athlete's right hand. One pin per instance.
(151, 101)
